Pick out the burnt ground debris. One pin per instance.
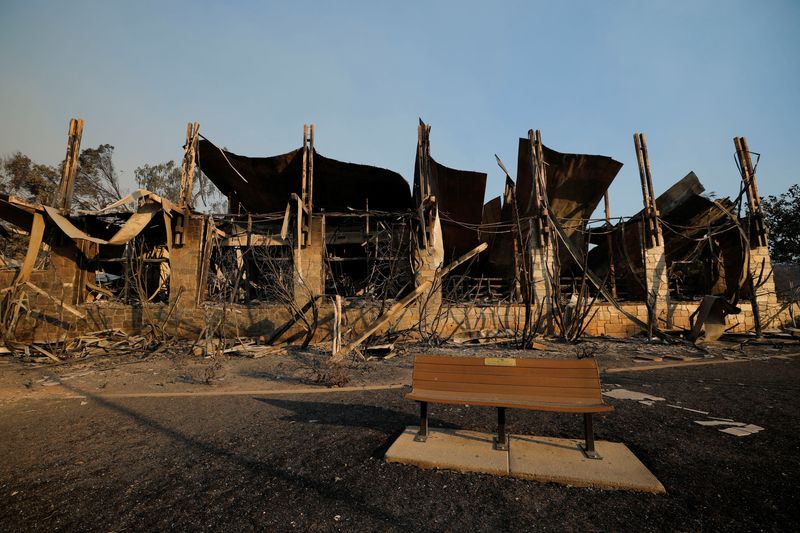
(314, 461)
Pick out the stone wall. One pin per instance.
(309, 263)
(185, 262)
(655, 263)
(45, 320)
(51, 323)
(763, 277)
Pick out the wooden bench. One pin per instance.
(561, 385)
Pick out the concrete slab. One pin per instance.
(561, 461)
(536, 458)
(449, 449)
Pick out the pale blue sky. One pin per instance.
(690, 74)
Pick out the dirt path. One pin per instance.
(176, 374)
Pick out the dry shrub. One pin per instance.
(587, 350)
(329, 374)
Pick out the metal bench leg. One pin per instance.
(422, 434)
(501, 441)
(588, 448)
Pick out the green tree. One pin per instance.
(782, 215)
(96, 179)
(20, 176)
(164, 179)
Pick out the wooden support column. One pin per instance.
(541, 253)
(654, 256)
(424, 193)
(247, 256)
(67, 187)
(309, 245)
(336, 334)
(181, 220)
(310, 172)
(534, 251)
(67, 256)
(188, 166)
(763, 298)
(652, 227)
(539, 187)
(757, 234)
(423, 161)
(429, 255)
(305, 208)
(509, 198)
(610, 243)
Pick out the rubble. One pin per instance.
(303, 230)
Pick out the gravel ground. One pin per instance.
(314, 461)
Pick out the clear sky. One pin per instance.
(690, 74)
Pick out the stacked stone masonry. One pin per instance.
(50, 323)
(47, 321)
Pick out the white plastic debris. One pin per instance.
(624, 394)
(738, 429)
(743, 431)
(687, 409)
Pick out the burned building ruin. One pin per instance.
(312, 248)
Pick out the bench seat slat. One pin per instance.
(496, 400)
(533, 380)
(587, 373)
(529, 363)
(509, 390)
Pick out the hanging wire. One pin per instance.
(224, 156)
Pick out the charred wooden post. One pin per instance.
(68, 257)
(509, 197)
(758, 234)
(653, 232)
(522, 255)
(247, 260)
(423, 191)
(533, 253)
(423, 187)
(429, 254)
(542, 253)
(67, 187)
(304, 206)
(188, 166)
(610, 243)
(180, 221)
(763, 298)
(655, 261)
(309, 238)
(539, 186)
(308, 165)
(336, 335)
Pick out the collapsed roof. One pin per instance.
(702, 243)
(459, 196)
(265, 184)
(575, 185)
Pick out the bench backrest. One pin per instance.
(565, 382)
